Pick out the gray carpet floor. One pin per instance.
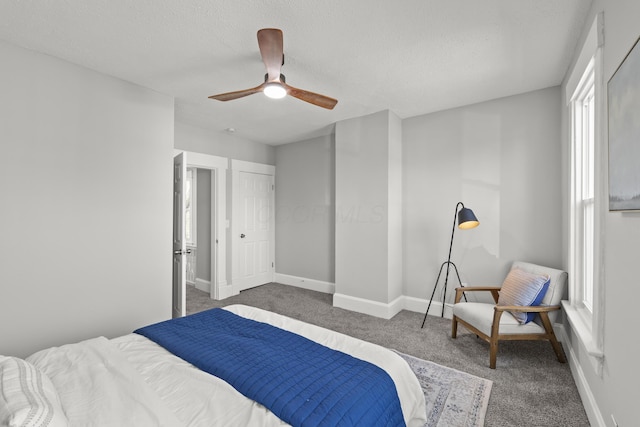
(530, 386)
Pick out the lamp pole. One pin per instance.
(448, 262)
(466, 219)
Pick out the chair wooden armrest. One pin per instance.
(475, 316)
(479, 288)
(493, 289)
(527, 308)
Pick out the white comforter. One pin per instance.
(130, 380)
(97, 386)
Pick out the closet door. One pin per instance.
(253, 233)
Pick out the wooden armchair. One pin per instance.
(493, 322)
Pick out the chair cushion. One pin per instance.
(480, 315)
(523, 288)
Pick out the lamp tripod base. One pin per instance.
(435, 286)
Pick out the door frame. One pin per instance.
(238, 166)
(218, 166)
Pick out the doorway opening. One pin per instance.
(200, 259)
(198, 218)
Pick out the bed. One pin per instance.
(132, 380)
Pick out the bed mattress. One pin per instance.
(131, 380)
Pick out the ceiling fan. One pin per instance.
(274, 86)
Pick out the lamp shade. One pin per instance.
(467, 219)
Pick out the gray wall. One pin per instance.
(222, 144)
(203, 253)
(86, 212)
(614, 390)
(305, 209)
(364, 232)
(395, 255)
(502, 159)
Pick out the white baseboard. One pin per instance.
(588, 399)
(372, 308)
(303, 282)
(225, 291)
(203, 285)
(361, 305)
(419, 305)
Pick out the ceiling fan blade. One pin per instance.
(312, 98)
(237, 94)
(270, 43)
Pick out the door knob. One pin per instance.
(242, 236)
(181, 252)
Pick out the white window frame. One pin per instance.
(585, 308)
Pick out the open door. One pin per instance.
(179, 242)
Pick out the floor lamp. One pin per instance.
(466, 220)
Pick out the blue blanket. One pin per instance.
(300, 381)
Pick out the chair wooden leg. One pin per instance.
(493, 353)
(493, 340)
(454, 327)
(557, 348)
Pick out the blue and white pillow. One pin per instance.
(28, 398)
(524, 289)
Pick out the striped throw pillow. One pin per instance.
(27, 396)
(523, 288)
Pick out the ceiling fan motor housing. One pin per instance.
(282, 78)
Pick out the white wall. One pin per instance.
(305, 209)
(614, 390)
(502, 159)
(86, 203)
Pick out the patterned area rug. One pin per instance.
(454, 398)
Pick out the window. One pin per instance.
(583, 113)
(585, 101)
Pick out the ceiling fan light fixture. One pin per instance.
(275, 86)
(275, 90)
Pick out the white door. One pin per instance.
(179, 241)
(255, 230)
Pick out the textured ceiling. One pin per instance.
(409, 56)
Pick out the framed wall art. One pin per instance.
(623, 91)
